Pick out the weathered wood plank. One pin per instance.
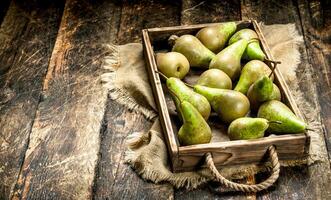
(114, 179)
(109, 182)
(64, 142)
(295, 191)
(198, 12)
(316, 25)
(151, 14)
(308, 182)
(27, 37)
(207, 192)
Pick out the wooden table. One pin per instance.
(62, 138)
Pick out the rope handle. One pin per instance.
(245, 187)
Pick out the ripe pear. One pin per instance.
(173, 64)
(228, 60)
(196, 53)
(246, 128)
(184, 93)
(262, 90)
(195, 129)
(228, 104)
(277, 111)
(215, 37)
(215, 78)
(252, 71)
(275, 95)
(253, 50)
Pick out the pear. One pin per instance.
(275, 95)
(252, 71)
(262, 90)
(215, 78)
(253, 50)
(184, 93)
(277, 111)
(215, 37)
(246, 128)
(195, 129)
(196, 53)
(173, 64)
(228, 60)
(228, 104)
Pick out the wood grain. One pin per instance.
(289, 147)
(64, 142)
(115, 179)
(27, 37)
(152, 14)
(316, 25)
(210, 191)
(199, 12)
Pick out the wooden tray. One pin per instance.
(224, 152)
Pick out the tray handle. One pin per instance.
(245, 187)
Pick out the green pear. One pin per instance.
(173, 64)
(253, 50)
(262, 90)
(215, 78)
(275, 95)
(184, 93)
(277, 111)
(252, 71)
(196, 53)
(195, 129)
(246, 128)
(215, 37)
(228, 104)
(228, 60)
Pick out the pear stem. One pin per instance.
(275, 122)
(310, 129)
(253, 40)
(172, 40)
(174, 94)
(272, 61)
(273, 70)
(163, 76)
(188, 85)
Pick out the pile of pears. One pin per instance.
(236, 84)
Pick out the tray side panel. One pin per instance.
(288, 147)
(160, 99)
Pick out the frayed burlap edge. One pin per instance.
(111, 64)
(157, 170)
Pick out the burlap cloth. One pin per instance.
(128, 84)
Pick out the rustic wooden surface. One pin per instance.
(50, 58)
(64, 142)
(27, 37)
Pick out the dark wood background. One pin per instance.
(50, 58)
